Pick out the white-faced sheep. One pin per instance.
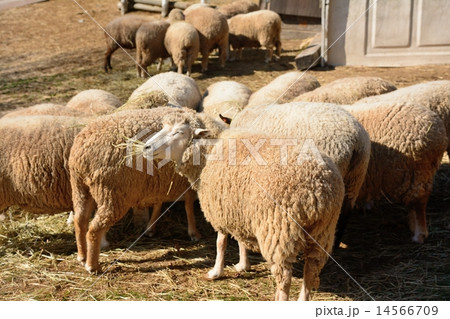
(34, 152)
(408, 142)
(45, 109)
(347, 90)
(100, 178)
(255, 29)
(212, 29)
(348, 145)
(225, 98)
(284, 88)
(150, 45)
(237, 7)
(94, 102)
(434, 95)
(183, 44)
(121, 32)
(279, 207)
(181, 90)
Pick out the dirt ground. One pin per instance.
(52, 50)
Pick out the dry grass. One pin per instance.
(53, 51)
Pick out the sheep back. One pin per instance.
(94, 102)
(44, 109)
(236, 7)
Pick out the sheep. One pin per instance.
(145, 101)
(100, 178)
(236, 7)
(180, 89)
(175, 15)
(94, 102)
(44, 109)
(196, 6)
(279, 208)
(212, 29)
(121, 32)
(183, 44)
(225, 98)
(434, 95)
(284, 88)
(255, 29)
(150, 45)
(348, 90)
(408, 142)
(34, 152)
(348, 146)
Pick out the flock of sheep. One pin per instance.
(365, 141)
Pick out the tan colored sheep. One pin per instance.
(236, 7)
(255, 29)
(45, 109)
(94, 102)
(347, 90)
(212, 29)
(279, 209)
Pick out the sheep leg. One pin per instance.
(278, 48)
(346, 211)
(283, 276)
(315, 258)
(221, 246)
(269, 53)
(244, 263)
(189, 207)
(160, 62)
(205, 59)
(151, 227)
(109, 52)
(180, 67)
(418, 219)
(83, 210)
(223, 52)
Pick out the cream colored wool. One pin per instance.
(284, 89)
(175, 15)
(121, 32)
(236, 7)
(226, 98)
(181, 90)
(257, 204)
(145, 101)
(334, 132)
(434, 95)
(348, 90)
(44, 109)
(34, 152)
(255, 29)
(100, 178)
(408, 142)
(150, 45)
(183, 44)
(94, 102)
(212, 29)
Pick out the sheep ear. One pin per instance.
(225, 119)
(201, 133)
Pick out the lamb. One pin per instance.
(183, 44)
(100, 178)
(34, 152)
(44, 109)
(94, 102)
(408, 142)
(284, 88)
(348, 146)
(277, 208)
(181, 90)
(150, 45)
(236, 7)
(225, 98)
(434, 95)
(212, 29)
(121, 32)
(348, 90)
(255, 29)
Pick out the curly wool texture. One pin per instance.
(34, 152)
(226, 98)
(236, 7)
(150, 44)
(434, 95)
(94, 102)
(181, 89)
(212, 29)
(348, 90)
(254, 29)
(284, 89)
(183, 44)
(45, 109)
(145, 101)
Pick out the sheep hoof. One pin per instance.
(195, 236)
(239, 267)
(213, 274)
(419, 238)
(81, 260)
(92, 270)
(150, 233)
